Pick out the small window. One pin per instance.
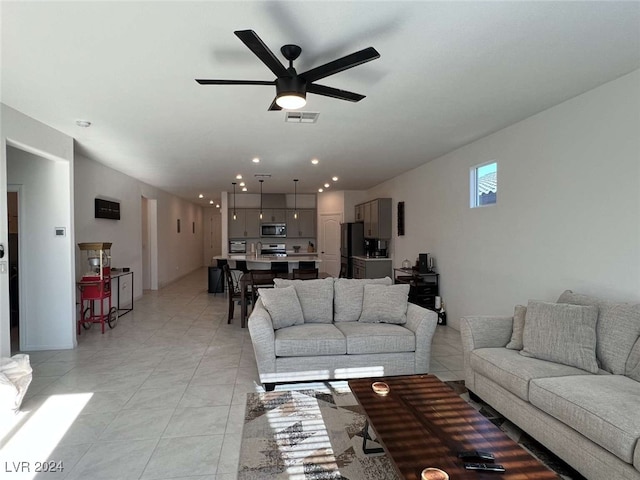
(484, 184)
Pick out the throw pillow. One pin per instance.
(385, 304)
(568, 296)
(315, 296)
(348, 295)
(561, 333)
(518, 327)
(617, 330)
(283, 306)
(632, 369)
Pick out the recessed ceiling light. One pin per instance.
(335, 179)
(210, 202)
(201, 196)
(83, 123)
(244, 189)
(238, 176)
(217, 205)
(315, 161)
(326, 185)
(320, 190)
(256, 160)
(242, 184)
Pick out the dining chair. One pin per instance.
(306, 265)
(242, 266)
(233, 290)
(343, 271)
(260, 279)
(306, 274)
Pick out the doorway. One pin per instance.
(149, 222)
(329, 243)
(14, 282)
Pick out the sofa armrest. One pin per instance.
(482, 331)
(263, 339)
(422, 322)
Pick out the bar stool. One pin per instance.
(306, 265)
(280, 267)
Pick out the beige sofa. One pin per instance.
(575, 387)
(338, 329)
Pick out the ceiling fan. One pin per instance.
(292, 87)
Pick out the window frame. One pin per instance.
(473, 185)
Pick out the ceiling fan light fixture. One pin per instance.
(291, 93)
(291, 101)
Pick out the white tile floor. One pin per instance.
(161, 396)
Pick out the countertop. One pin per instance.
(262, 259)
(372, 259)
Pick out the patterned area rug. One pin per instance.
(316, 434)
(308, 435)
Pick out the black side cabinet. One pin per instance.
(423, 289)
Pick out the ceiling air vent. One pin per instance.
(301, 117)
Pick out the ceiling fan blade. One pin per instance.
(258, 47)
(341, 64)
(234, 82)
(274, 106)
(334, 92)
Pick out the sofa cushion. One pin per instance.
(385, 303)
(377, 338)
(513, 371)
(636, 456)
(316, 298)
(617, 331)
(603, 408)
(310, 340)
(632, 368)
(348, 294)
(518, 328)
(561, 333)
(283, 306)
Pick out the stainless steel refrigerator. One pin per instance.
(351, 244)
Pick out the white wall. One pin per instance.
(46, 262)
(567, 216)
(178, 253)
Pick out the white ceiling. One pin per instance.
(449, 73)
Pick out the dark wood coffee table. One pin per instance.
(423, 423)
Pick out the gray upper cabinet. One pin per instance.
(302, 227)
(236, 227)
(360, 213)
(277, 215)
(376, 216)
(246, 224)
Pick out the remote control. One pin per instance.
(476, 455)
(488, 467)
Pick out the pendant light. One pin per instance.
(261, 180)
(234, 199)
(295, 198)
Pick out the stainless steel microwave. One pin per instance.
(273, 230)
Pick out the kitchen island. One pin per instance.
(263, 262)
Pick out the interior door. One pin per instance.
(329, 243)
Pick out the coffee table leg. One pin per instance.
(365, 437)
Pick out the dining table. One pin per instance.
(245, 281)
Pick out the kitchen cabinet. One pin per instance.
(376, 216)
(302, 227)
(246, 224)
(274, 215)
(360, 213)
(371, 267)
